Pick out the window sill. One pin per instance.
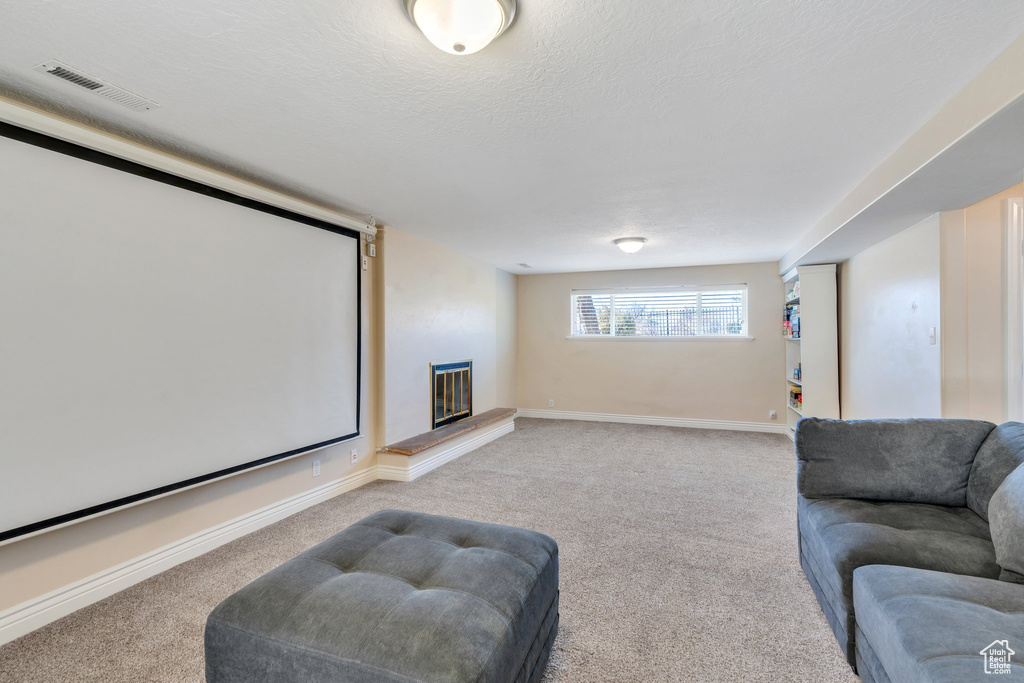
(706, 338)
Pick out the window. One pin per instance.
(712, 311)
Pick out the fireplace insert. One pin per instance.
(451, 392)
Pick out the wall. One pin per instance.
(888, 300)
(34, 566)
(973, 296)
(434, 304)
(441, 305)
(699, 379)
(420, 303)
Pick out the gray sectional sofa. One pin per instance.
(911, 534)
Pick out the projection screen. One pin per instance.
(158, 333)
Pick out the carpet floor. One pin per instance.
(677, 547)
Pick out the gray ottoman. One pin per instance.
(398, 596)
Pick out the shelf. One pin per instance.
(817, 356)
(422, 442)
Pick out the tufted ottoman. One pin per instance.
(397, 596)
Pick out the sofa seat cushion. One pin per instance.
(841, 534)
(398, 596)
(930, 626)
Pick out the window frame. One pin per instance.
(699, 289)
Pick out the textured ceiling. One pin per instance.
(721, 131)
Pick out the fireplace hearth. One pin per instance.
(451, 392)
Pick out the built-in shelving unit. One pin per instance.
(812, 343)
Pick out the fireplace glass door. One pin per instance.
(451, 392)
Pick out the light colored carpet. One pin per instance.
(677, 548)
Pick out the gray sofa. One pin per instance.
(911, 534)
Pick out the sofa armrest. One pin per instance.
(910, 461)
(1006, 521)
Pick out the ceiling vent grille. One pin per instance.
(93, 84)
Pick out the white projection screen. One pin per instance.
(157, 333)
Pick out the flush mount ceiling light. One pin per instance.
(631, 245)
(461, 27)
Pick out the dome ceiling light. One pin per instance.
(631, 245)
(461, 27)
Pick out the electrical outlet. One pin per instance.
(551, 403)
(355, 455)
(772, 415)
(316, 468)
(931, 335)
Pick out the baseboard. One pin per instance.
(28, 616)
(482, 436)
(36, 613)
(661, 421)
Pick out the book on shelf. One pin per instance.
(796, 397)
(791, 321)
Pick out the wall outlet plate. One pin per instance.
(551, 403)
(316, 468)
(772, 415)
(355, 455)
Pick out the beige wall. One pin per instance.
(34, 566)
(507, 314)
(888, 301)
(974, 329)
(441, 305)
(711, 380)
(423, 303)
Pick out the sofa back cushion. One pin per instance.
(1006, 523)
(1001, 453)
(907, 461)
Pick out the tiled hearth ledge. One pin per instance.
(408, 459)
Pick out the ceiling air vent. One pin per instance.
(84, 80)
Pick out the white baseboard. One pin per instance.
(661, 421)
(28, 616)
(483, 435)
(36, 613)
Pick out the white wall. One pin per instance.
(441, 305)
(698, 379)
(888, 301)
(973, 296)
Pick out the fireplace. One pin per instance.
(451, 392)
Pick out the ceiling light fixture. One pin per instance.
(631, 245)
(461, 27)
